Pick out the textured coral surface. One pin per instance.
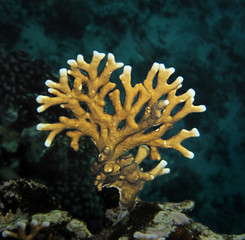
(140, 119)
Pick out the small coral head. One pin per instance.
(141, 120)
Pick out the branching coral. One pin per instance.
(21, 234)
(140, 119)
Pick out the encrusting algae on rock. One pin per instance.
(139, 120)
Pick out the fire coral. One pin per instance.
(139, 119)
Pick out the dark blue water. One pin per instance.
(202, 40)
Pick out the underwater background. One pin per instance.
(203, 40)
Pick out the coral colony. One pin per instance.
(140, 119)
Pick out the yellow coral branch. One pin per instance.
(21, 234)
(147, 112)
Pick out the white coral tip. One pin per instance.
(190, 155)
(166, 170)
(202, 108)
(179, 79)
(161, 66)
(191, 92)
(155, 66)
(40, 98)
(165, 102)
(99, 55)
(171, 70)
(111, 57)
(80, 58)
(195, 132)
(127, 69)
(51, 90)
(163, 164)
(63, 72)
(72, 63)
(48, 83)
(40, 126)
(47, 143)
(120, 64)
(41, 109)
(179, 86)
(6, 233)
